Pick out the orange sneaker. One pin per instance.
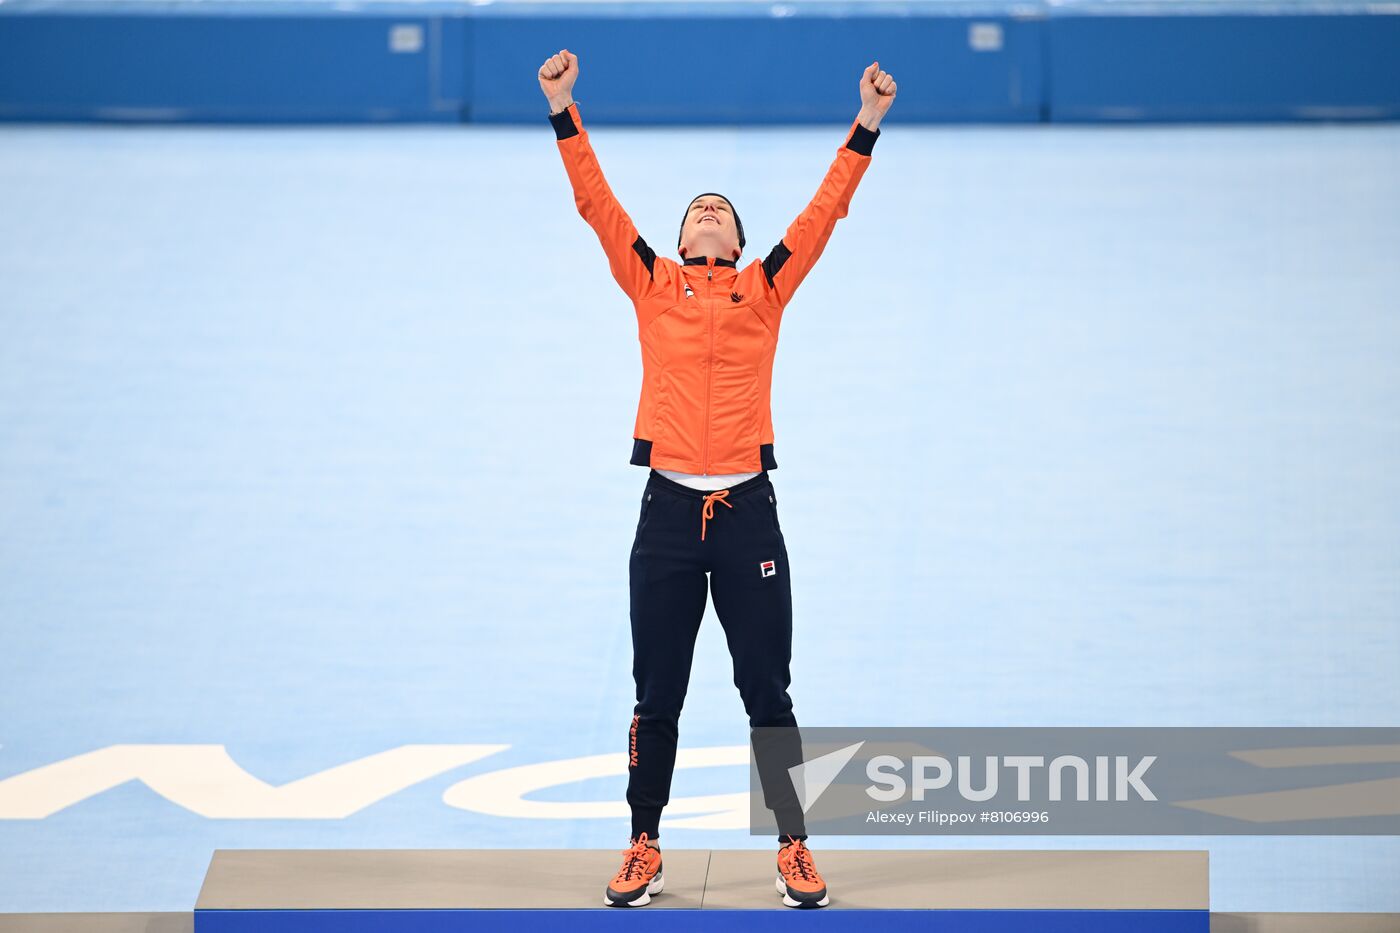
(638, 878)
(798, 880)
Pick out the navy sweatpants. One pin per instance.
(743, 553)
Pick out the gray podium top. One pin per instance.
(389, 879)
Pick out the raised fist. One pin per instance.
(876, 89)
(557, 77)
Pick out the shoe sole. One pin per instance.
(790, 901)
(654, 886)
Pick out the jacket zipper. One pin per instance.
(709, 364)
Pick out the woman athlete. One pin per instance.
(708, 331)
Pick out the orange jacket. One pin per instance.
(708, 329)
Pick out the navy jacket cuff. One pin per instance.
(862, 140)
(563, 123)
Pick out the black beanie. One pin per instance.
(738, 224)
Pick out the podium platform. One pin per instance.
(440, 890)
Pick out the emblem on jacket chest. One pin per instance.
(733, 296)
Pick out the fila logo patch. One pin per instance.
(767, 568)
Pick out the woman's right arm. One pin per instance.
(632, 262)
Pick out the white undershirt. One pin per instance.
(707, 481)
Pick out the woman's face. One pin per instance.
(710, 229)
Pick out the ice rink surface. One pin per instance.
(313, 445)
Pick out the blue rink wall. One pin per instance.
(688, 63)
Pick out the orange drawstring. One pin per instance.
(708, 512)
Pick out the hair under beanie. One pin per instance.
(738, 224)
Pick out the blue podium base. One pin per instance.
(685, 920)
